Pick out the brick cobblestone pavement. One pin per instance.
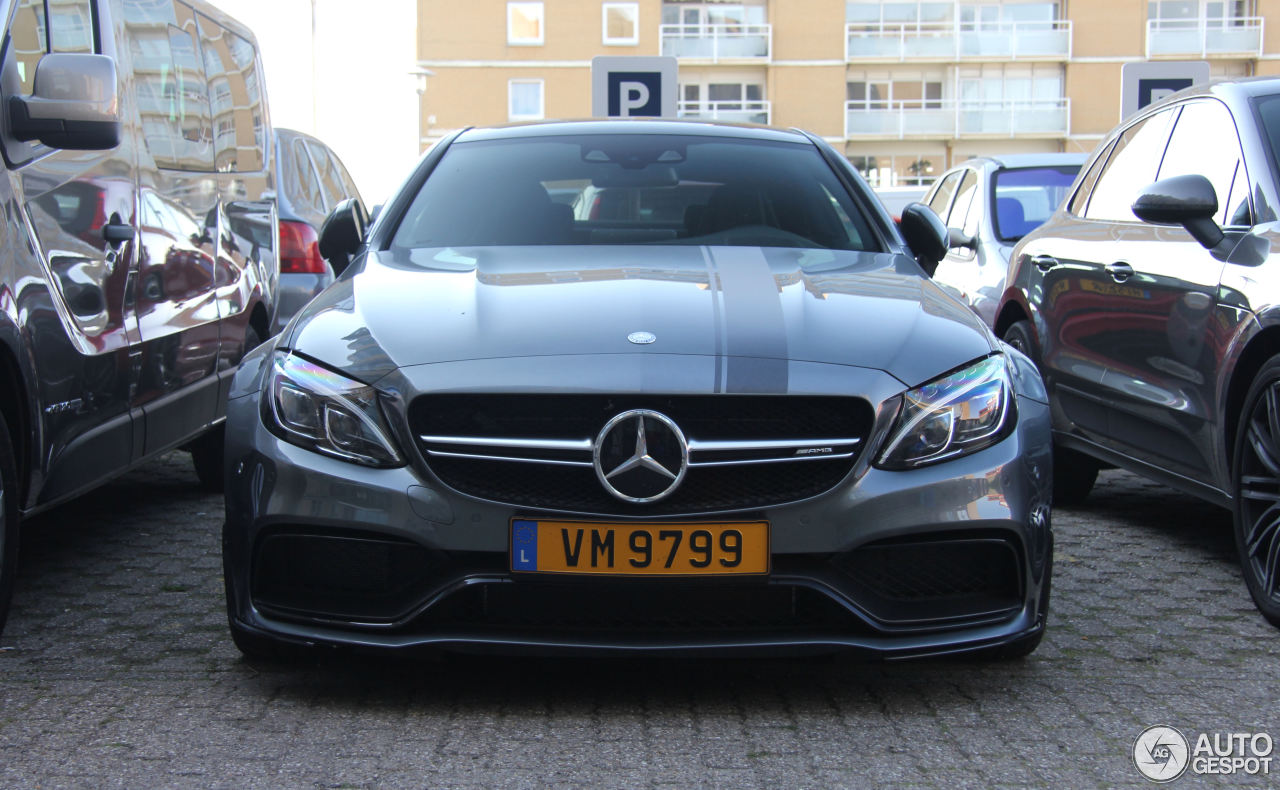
(116, 670)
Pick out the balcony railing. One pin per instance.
(948, 118)
(735, 111)
(1227, 36)
(718, 42)
(958, 41)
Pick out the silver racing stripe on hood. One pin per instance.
(751, 342)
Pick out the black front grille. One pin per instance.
(638, 609)
(961, 577)
(699, 416)
(349, 576)
(705, 489)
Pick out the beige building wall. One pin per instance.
(464, 46)
(1108, 28)
(807, 29)
(809, 97)
(1094, 89)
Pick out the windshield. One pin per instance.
(1268, 110)
(633, 189)
(1026, 196)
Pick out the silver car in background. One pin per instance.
(988, 204)
(750, 425)
(312, 181)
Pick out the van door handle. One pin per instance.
(1044, 262)
(1119, 271)
(116, 231)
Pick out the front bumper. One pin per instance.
(948, 558)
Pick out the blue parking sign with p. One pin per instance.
(633, 93)
(633, 87)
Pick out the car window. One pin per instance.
(638, 188)
(1267, 110)
(301, 184)
(1134, 162)
(1026, 196)
(1188, 153)
(173, 95)
(231, 67)
(1219, 163)
(37, 29)
(964, 199)
(1081, 198)
(349, 188)
(942, 196)
(330, 181)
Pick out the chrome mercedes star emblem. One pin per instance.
(642, 338)
(640, 456)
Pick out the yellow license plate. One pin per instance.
(675, 549)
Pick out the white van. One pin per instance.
(138, 256)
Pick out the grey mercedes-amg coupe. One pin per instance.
(637, 386)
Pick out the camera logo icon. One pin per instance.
(1161, 753)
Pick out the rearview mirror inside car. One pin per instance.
(73, 104)
(925, 234)
(342, 233)
(1188, 201)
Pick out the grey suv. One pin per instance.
(1153, 310)
(138, 261)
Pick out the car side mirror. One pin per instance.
(342, 233)
(1188, 201)
(958, 239)
(925, 234)
(73, 104)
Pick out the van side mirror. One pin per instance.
(925, 234)
(73, 105)
(1188, 201)
(342, 233)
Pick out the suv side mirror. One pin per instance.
(342, 233)
(958, 239)
(73, 104)
(1188, 201)
(925, 234)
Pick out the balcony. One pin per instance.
(949, 41)
(1239, 37)
(943, 119)
(716, 43)
(734, 111)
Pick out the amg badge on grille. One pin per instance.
(640, 456)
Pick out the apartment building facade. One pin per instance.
(904, 89)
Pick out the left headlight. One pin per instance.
(960, 413)
(316, 408)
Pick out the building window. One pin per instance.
(524, 24)
(898, 170)
(621, 23)
(524, 100)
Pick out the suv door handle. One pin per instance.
(1044, 262)
(1119, 271)
(116, 231)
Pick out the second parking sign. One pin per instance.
(633, 87)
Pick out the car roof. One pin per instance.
(1229, 90)
(1010, 161)
(620, 126)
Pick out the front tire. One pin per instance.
(8, 522)
(1074, 473)
(1255, 483)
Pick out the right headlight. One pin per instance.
(321, 410)
(957, 414)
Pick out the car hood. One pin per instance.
(770, 305)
